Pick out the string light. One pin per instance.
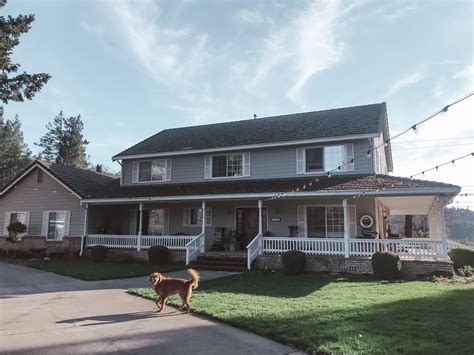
(415, 130)
(368, 154)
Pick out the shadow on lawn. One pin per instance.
(436, 324)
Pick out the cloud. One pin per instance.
(252, 17)
(465, 73)
(409, 80)
(397, 12)
(92, 28)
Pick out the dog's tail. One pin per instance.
(195, 277)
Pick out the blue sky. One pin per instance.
(132, 68)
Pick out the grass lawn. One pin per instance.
(88, 270)
(326, 313)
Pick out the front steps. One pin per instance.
(221, 261)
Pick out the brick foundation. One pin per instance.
(137, 256)
(355, 265)
(70, 245)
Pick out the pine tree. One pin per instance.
(64, 142)
(14, 153)
(13, 86)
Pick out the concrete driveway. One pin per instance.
(41, 312)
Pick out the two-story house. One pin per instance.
(315, 181)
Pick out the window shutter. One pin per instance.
(352, 221)
(186, 215)
(135, 172)
(67, 221)
(207, 167)
(300, 153)
(27, 223)
(246, 164)
(208, 216)
(44, 226)
(168, 170)
(349, 157)
(302, 221)
(6, 223)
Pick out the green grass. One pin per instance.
(329, 314)
(88, 270)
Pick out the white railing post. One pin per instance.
(140, 226)
(442, 229)
(260, 221)
(346, 228)
(203, 227)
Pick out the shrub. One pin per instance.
(294, 262)
(466, 271)
(158, 254)
(99, 253)
(386, 265)
(22, 254)
(54, 255)
(16, 228)
(462, 257)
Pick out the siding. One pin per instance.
(25, 198)
(264, 164)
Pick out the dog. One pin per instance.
(167, 286)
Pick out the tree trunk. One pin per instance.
(408, 226)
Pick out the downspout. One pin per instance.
(86, 226)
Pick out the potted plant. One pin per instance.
(16, 228)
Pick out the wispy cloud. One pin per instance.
(466, 72)
(408, 80)
(93, 28)
(397, 12)
(252, 17)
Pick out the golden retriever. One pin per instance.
(167, 286)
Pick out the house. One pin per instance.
(315, 181)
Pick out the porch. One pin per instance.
(346, 227)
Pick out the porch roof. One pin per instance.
(334, 186)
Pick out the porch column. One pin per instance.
(86, 228)
(203, 226)
(140, 226)
(442, 228)
(260, 217)
(346, 228)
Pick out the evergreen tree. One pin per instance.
(64, 142)
(13, 86)
(14, 153)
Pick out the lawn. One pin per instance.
(88, 270)
(330, 314)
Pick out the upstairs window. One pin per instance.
(322, 159)
(152, 170)
(227, 165)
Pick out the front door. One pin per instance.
(247, 224)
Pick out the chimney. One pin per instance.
(254, 116)
(98, 168)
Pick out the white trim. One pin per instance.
(37, 165)
(264, 207)
(404, 192)
(249, 146)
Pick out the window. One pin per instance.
(151, 171)
(55, 224)
(12, 217)
(193, 216)
(227, 165)
(157, 222)
(326, 221)
(321, 159)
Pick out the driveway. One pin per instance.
(41, 312)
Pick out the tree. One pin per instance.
(13, 86)
(64, 142)
(14, 153)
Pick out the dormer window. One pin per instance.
(227, 165)
(152, 171)
(321, 159)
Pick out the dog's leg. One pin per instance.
(163, 303)
(158, 304)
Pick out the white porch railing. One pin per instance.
(254, 248)
(454, 245)
(172, 242)
(321, 246)
(195, 246)
(405, 248)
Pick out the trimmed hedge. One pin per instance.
(462, 257)
(99, 252)
(158, 255)
(294, 262)
(386, 265)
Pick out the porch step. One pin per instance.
(220, 263)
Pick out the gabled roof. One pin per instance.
(83, 183)
(334, 186)
(341, 122)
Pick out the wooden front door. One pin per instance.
(247, 224)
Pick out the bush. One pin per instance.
(158, 254)
(99, 253)
(462, 257)
(22, 254)
(466, 271)
(54, 255)
(294, 262)
(386, 265)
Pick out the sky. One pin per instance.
(133, 68)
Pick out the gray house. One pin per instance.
(315, 181)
